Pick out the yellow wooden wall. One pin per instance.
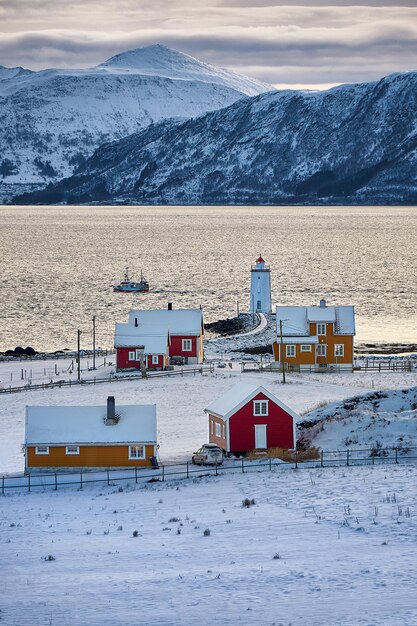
(90, 456)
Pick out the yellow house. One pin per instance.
(315, 337)
(86, 437)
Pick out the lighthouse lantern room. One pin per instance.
(260, 287)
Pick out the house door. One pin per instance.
(260, 436)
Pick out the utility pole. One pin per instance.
(78, 356)
(282, 352)
(94, 342)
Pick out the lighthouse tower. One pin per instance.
(260, 287)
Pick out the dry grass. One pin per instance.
(290, 456)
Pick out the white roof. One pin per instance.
(85, 424)
(125, 336)
(175, 321)
(296, 319)
(299, 340)
(238, 396)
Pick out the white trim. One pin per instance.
(264, 430)
(321, 349)
(155, 359)
(131, 356)
(305, 347)
(134, 450)
(140, 354)
(290, 351)
(341, 352)
(187, 345)
(263, 404)
(319, 327)
(41, 449)
(72, 449)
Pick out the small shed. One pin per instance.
(249, 417)
(98, 437)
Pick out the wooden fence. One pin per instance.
(331, 458)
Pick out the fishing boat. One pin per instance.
(129, 285)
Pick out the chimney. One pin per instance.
(136, 322)
(322, 303)
(111, 417)
(169, 306)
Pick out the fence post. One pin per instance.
(2, 486)
(108, 477)
(56, 482)
(136, 475)
(347, 458)
(81, 479)
(216, 469)
(321, 458)
(28, 483)
(270, 463)
(243, 467)
(187, 471)
(296, 460)
(163, 473)
(396, 455)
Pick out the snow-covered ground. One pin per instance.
(318, 547)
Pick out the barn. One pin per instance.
(249, 417)
(58, 437)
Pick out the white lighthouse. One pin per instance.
(260, 287)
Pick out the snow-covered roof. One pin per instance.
(85, 424)
(239, 395)
(296, 319)
(300, 340)
(174, 321)
(128, 336)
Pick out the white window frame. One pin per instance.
(42, 450)
(133, 452)
(155, 359)
(339, 349)
(305, 347)
(290, 351)
(320, 328)
(219, 430)
(72, 449)
(321, 349)
(132, 356)
(260, 408)
(139, 353)
(187, 345)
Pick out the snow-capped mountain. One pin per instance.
(52, 120)
(352, 144)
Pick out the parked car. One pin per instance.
(208, 454)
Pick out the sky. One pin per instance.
(305, 43)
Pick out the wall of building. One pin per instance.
(213, 438)
(176, 347)
(89, 456)
(280, 431)
(260, 289)
(123, 362)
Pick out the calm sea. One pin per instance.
(58, 265)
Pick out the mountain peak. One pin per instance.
(159, 60)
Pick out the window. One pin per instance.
(136, 452)
(42, 450)
(305, 348)
(155, 359)
(321, 349)
(132, 356)
(219, 430)
(139, 355)
(290, 351)
(187, 345)
(260, 407)
(321, 329)
(72, 450)
(212, 427)
(339, 349)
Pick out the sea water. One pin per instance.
(58, 265)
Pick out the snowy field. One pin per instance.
(182, 424)
(318, 547)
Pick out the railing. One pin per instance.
(331, 458)
(113, 378)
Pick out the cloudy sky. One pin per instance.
(302, 43)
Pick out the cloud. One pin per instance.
(311, 44)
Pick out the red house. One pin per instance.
(185, 328)
(248, 418)
(134, 349)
